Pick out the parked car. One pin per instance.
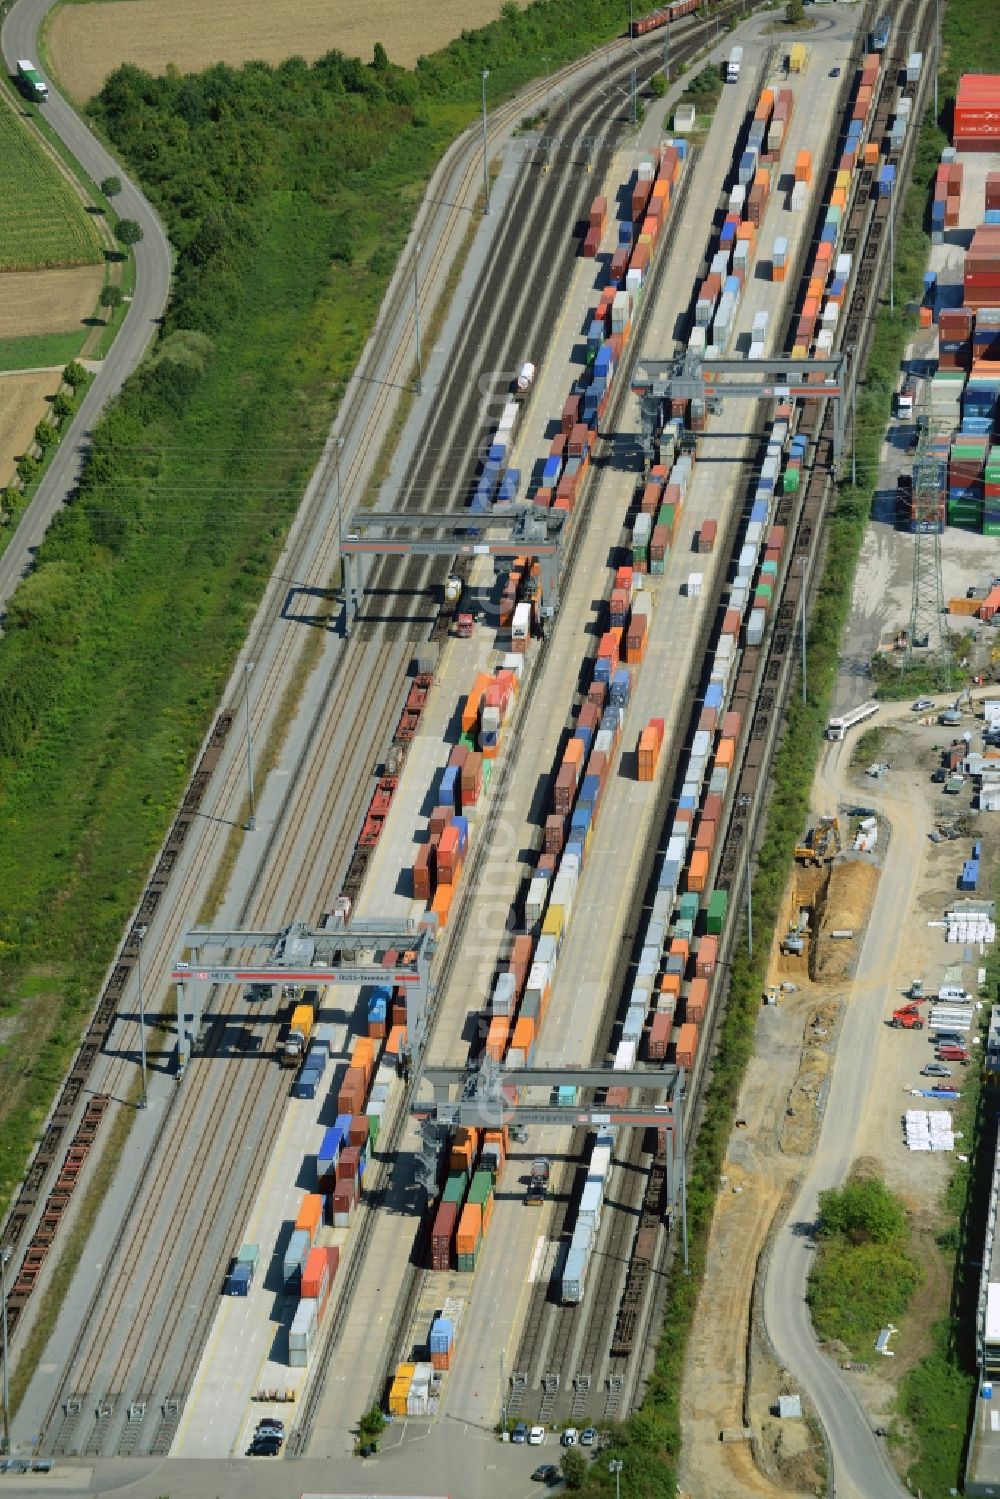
(935, 1069)
(520, 1433)
(922, 704)
(264, 1446)
(536, 1436)
(569, 1436)
(271, 1427)
(547, 1473)
(588, 1436)
(834, 72)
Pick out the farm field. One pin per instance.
(23, 403)
(42, 222)
(88, 41)
(53, 301)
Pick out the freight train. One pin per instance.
(665, 16)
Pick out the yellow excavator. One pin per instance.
(821, 844)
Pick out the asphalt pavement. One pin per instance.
(861, 1466)
(19, 38)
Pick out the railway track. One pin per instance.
(545, 1363)
(109, 1381)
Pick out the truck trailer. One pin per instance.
(30, 81)
(734, 64)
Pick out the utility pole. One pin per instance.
(635, 102)
(503, 1390)
(854, 416)
(251, 821)
(340, 517)
(416, 319)
(684, 1190)
(5, 1254)
(804, 681)
(142, 1015)
(749, 902)
(615, 1466)
(486, 164)
(937, 53)
(892, 253)
(666, 52)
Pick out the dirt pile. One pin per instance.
(845, 907)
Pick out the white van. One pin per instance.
(955, 994)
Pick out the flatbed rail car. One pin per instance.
(838, 726)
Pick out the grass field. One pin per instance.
(54, 301)
(42, 221)
(23, 403)
(36, 351)
(86, 42)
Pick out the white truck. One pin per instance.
(734, 64)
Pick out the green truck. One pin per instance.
(31, 82)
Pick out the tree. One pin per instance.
(795, 13)
(74, 374)
(111, 296)
(370, 1427)
(574, 1469)
(863, 1211)
(45, 434)
(657, 85)
(380, 59)
(128, 232)
(111, 186)
(62, 406)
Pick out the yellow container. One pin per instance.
(554, 923)
(799, 351)
(843, 180)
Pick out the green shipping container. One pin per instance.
(469, 742)
(684, 929)
(716, 917)
(467, 1262)
(666, 517)
(991, 528)
(482, 1188)
(790, 480)
(454, 1187)
(689, 907)
(487, 772)
(374, 1125)
(769, 570)
(657, 567)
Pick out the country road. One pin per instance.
(19, 38)
(861, 1467)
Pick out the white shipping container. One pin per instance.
(756, 351)
(755, 627)
(521, 623)
(676, 849)
(546, 949)
(534, 906)
(694, 583)
(625, 1056)
(504, 994)
(698, 339)
(633, 280)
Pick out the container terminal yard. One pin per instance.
(511, 829)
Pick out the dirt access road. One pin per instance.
(825, 1037)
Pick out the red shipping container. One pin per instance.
(686, 1045)
(554, 833)
(591, 244)
(443, 1235)
(707, 535)
(731, 622)
(351, 1096)
(712, 810)
(707, 720)
(423, 871)
(659, 1037)
(565, 790)
(696, 1003)
(546, 864)
(731, 724)
(708, 952)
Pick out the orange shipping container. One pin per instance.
(363, 1053)
(574, 753)
(803, 166)
(696, 877)
(671, 984)
(470, 1229)
(871, 154)
(726, 752)
(397, 1037)
(310, 1215)
(470, 712)
(496, 1037)
(441, 904)
(679, 948)
(696, 1004)
(524, 1033)
(687, 1045)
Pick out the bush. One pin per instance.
(863, 1275)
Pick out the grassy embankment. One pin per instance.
(288, 193)
(43, 221)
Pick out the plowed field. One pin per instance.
(47, 301)
(22, 406)
(88, 41)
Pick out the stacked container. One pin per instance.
(977, 113)
(982, 268)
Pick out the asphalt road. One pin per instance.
(861, 1467)
(19, 38)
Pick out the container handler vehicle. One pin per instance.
(907, 1017)
(300, 1031)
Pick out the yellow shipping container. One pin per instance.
(554, 923)
(799, 351)
(797, 57)
(843, 181)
